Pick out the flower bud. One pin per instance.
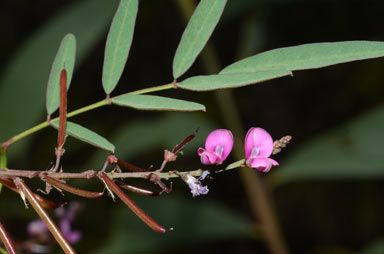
(258, 147)
(218, 146)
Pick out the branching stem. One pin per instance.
(90, 107)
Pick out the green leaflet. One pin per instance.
(28, 69)
(65, 59)
(220, 81)
(152, 102)
(196, 34)
(118, 43)
(308, 56)
(86, 135)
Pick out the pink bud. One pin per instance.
(218, 146)
(258, 147)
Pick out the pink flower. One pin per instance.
(218, 145)
(258, 148)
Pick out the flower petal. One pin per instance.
(262, 164)
(207, 157)
(195, 186)
(222, 138)
(259, 138)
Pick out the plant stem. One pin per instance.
(88, 174)
(3, 161)
(90, 107)
(6, 241)
(5, 172)
(155, 89)
(25, 192)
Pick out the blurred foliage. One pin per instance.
(329, 191)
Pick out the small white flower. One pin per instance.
(195, 184)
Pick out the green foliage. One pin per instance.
(193, 220)
(118, 43)
(308, 56)
(353, 151)
(87, 136)
(152, 102)
(65, 59)
(2, 251)
(376, 247)
(29, 68)
(196, 34)
(221, 81)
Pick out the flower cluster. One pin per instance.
(38, 230)
(258, 147)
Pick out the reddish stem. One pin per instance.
(24, 190)
(185, 141)
(137, 210)
(137, 190)
(129, 166)
(83, 193)
(7, 240)
(63, 109)
(47, 204)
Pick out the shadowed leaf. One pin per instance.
(353, 151)
(87, 136)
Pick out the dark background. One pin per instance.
(324, 206)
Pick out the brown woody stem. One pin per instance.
(63, 109)
(185, 141)
(61, 185)
(129, 166)
(25, 191)
(45, 203)
(4, 172)
(135, 189)
(129, 202)
(7, 240)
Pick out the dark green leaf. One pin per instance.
(118, 43)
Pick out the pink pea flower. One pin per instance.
(218, 146)
(258, 148)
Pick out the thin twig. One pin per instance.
(134, 208)
(27, 193)
(7, 240)
(89, 174)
